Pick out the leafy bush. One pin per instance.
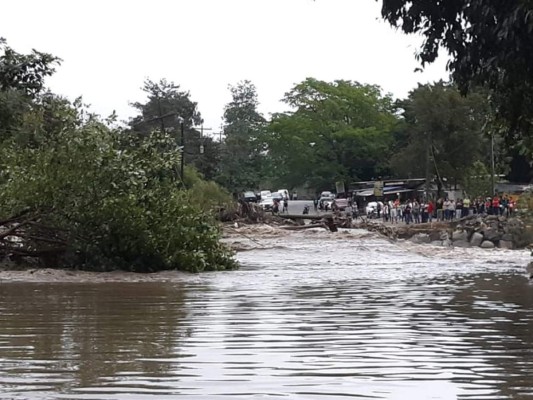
(118, 202)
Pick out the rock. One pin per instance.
(476, 239)
(507, 237)
(436, 243)
(487, 244)
(460, 236)
(420, 238)
(505, 244)
(461, 243)
(492, 235)
(444, 235)
(447, 243)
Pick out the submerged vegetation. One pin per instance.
(75, 192)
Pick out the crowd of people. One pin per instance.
(443, 209)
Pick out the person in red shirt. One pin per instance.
(431, 209)
(496, 205)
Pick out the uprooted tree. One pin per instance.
(76, 193)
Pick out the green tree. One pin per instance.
(490, 45)
(166, 109)
(21, 82)
(446, 133)
(242, 159)
(76, 193)
(107, 202)
(340, 131)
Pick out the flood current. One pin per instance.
(309, 315)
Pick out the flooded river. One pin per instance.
(310, 315)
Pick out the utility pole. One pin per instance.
(492, 184)
(182, 130)
(428, 165)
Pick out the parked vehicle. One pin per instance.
(266, 203)
(372, 209)
(341, 204)
(264, 193)
(284, 193)
(326, 200)
(249, 197)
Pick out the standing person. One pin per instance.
(286, 205)
(315, 203)
(407, 212)
(466, 207)
(431, 210)
(393, 212)
(275, 207)
(386, 212)
(416, 212)
(440, 209)
(294, 195)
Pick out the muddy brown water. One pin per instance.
(310, 315)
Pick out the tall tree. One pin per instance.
(490, 44)
(242, 160)
(446, 133)
(22, 79)
(166, 109)
(340, 131)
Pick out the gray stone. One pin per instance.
(437, 243)
(507, 237)
(420, 238)
(461, 243)
(477, 239)
(505, 244)
(447, 243)
(492, 234)
(460, 236)
(487, 244)
(444, 235)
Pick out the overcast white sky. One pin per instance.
(109, 48)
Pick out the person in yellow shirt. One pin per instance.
(466, 207)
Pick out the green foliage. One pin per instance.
(447, 127)
(477, 181)
(242, 161)
(24, 73)
(166, 105)
(490, 45)
(118, 201)
(340, 131)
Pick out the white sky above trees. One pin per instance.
(109, 48)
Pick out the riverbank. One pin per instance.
(487, 231)
(242, 237)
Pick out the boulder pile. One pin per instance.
(474, 231)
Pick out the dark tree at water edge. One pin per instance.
(75, 191)
(491, 45)
(242, 164)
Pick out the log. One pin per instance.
(302, 227)
(305, 216)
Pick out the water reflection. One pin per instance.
(321, 317)
(58, 336)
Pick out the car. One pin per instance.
(267, 203)
(326, 198)
(249, 197)
(372, 208)
(341, 204)
(285, 193)
(264, 193)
